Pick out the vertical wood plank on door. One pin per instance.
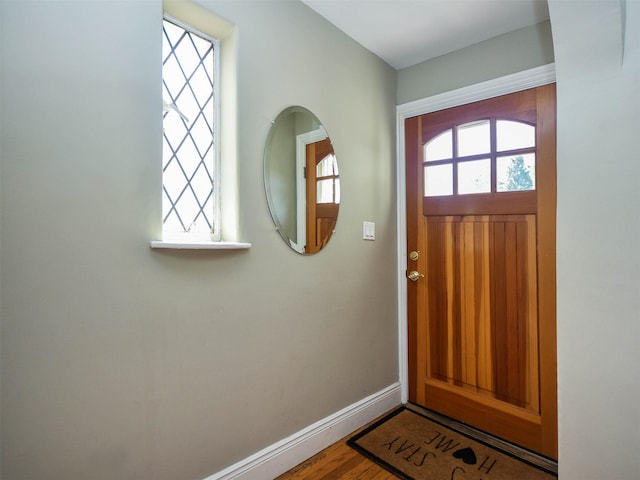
(470, 320)
(485, 351)
(450, 295)
(533, 349)
(490, 309)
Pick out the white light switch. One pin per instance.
(368, 231)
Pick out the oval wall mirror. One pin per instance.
(301, 180)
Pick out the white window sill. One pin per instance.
(199, 245)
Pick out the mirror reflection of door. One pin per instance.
(304, 210)
(322, 194)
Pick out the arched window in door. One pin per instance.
(481, 157)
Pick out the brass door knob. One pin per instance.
(414, 276)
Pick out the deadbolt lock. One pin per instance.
(414, 255)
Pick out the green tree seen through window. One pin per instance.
(518, 175)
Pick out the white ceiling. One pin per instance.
(407, 32)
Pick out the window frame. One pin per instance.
(214, 234)
(208, 22)
(523, 201)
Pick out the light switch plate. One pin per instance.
(368, 231)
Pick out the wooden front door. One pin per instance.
(481, 199)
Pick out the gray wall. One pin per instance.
(119, 361)
(598, 230)
(512, 52)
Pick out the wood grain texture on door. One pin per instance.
(482, 305)
(481, 321)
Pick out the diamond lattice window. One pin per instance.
(189, 111)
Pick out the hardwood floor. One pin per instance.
(338, 462)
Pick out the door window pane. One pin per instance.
(511, 135)
(516, 173)
(474, 138)
(440, 147)
(469, 155)
(327, 166)
(474, 177)
(438, 180)
(325, 191)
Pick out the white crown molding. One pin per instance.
(295, 449)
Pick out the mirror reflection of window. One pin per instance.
(328, 186)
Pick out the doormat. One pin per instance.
(414, 447)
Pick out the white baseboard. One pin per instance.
(280, 457)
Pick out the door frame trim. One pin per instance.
(516, 82)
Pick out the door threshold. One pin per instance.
(528, 456)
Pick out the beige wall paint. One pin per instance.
(512, 52)
(122, 362)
